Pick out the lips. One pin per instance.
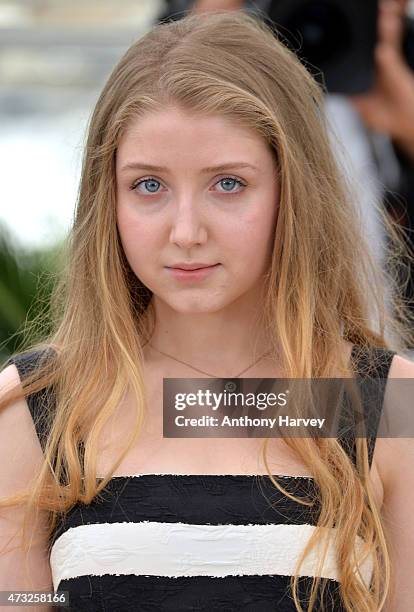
(192, 274)
(195, 266)
(190, 269)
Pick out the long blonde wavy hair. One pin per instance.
(323, 285)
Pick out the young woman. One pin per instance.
(207, 148)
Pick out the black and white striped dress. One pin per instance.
(156, 542)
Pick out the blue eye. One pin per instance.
(231, 182)
(152, 185)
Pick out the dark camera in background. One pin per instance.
(335, 39)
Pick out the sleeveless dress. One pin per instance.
(179, 542)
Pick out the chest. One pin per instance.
(154, 454)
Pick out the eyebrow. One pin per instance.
(221, 167)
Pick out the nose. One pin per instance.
(188, 227)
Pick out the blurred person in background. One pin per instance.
(388, 112)
(389, 107)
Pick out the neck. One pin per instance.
(222, 342)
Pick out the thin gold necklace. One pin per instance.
(202, 371)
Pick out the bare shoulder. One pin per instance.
(395, 456)
(21, 457)
(19, 443)
(21, 454)
(401, 367)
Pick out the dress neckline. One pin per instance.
(198, 476)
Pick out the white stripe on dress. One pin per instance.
(182, 549)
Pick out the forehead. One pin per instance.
(176, 131)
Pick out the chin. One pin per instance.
(195, 305)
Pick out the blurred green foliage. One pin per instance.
(26, 280)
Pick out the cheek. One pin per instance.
(254, 240)
(135, 237)
(256, 230)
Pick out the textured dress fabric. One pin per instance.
(179, 542)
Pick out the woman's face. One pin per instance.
(196, 190)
